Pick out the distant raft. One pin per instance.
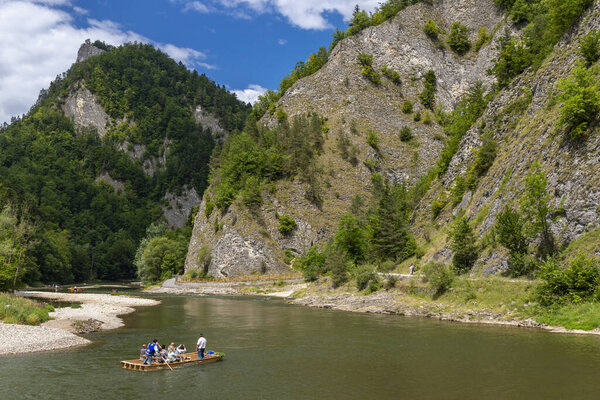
(190, 358)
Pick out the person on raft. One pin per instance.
(143, 353)
(201, 346)
(152, 348)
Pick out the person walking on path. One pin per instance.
(412, 269)
(201, 346)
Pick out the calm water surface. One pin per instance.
(279, 351)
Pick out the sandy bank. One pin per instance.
(59, 332)
(228, 288)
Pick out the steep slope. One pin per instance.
(364, 120)
(523, 120)
(110, 143)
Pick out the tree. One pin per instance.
(427, 96)
(510, 232)
(463, 245)
(458, 40)
(589, 47)
(351, 238)
(431, 29)
(580, 98)
(535, 206)
(157, 258)
(16, 237)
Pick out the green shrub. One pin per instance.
(311, 264)
(521, 11)
(417, 117)
(483, 37)
(392, 75)
(580, 98)
(364, 276)
(386, 266)
(510, 230)
(521, 264)
(419, 252)
(407, 107)
(577, 283)
(439, 277)
(210, 206)
(366, 61)
(438, 204)
(287, 224)
(484, 158)
(431, 29)
(427, 96)
(512, 59)
(251, 194)
(405, 134)
(204, 259)
(458, 40)
(192, 274)
(336, 264)
(463, 245)
(589, 47)
(427, 118)
(373, 140)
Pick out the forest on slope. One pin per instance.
(59, 221)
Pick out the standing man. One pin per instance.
(150, 350)
(200, 346)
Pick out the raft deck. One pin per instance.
(138, 365)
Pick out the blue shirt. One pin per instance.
(151, 348)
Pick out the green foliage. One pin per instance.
(302, 69)
(311, 264)
(407, 107)
(336, 264)
(458, 40)
(484, 158)
(438, 204)
(405, 134)
(417, 117)
(577, 283)
(366, 61)
(287, 224)
(365, 276)
(589, 47)
(427, 96)
(439, 277)
(351, 238)
(483, 37)
(251, 194)
(521, 264)
(391, 74)
(535, 206)
(210, 206)
(266, 155)
(580, 98)
(373, 140)
(548, 21)
(513, 58)
(510, 231)
(204, 259)
(463, 245)
(431, 29)
(19, 310)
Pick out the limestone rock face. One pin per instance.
(207, 120)
(180, 206)
(522, 118)
(84, 110)
(87, 50)
(354, 107)
(118, 186)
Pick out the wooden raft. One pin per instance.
(138, 365)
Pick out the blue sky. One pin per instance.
(246, 45)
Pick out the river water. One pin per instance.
(280, 351)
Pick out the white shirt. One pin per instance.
(201, 343)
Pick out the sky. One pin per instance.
(246, 45)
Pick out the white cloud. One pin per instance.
(282, 42)
(306, 14)
(39, 41)
(250, 94)
(196, 6)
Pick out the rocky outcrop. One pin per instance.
(87, 50)
(178, 209)
(207, 120)
(523, 119)
(105, 177)
(82, 107)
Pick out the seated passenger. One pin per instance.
(143, 353)
(162, 354)
(181, 350)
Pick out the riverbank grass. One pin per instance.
(19, 310)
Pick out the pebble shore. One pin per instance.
(58, 332)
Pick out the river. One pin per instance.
(280, 351)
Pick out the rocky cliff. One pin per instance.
(355, 108)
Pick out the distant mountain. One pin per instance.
(121, 140)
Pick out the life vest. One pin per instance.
(150, 349)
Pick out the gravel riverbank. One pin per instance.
(59, 333)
